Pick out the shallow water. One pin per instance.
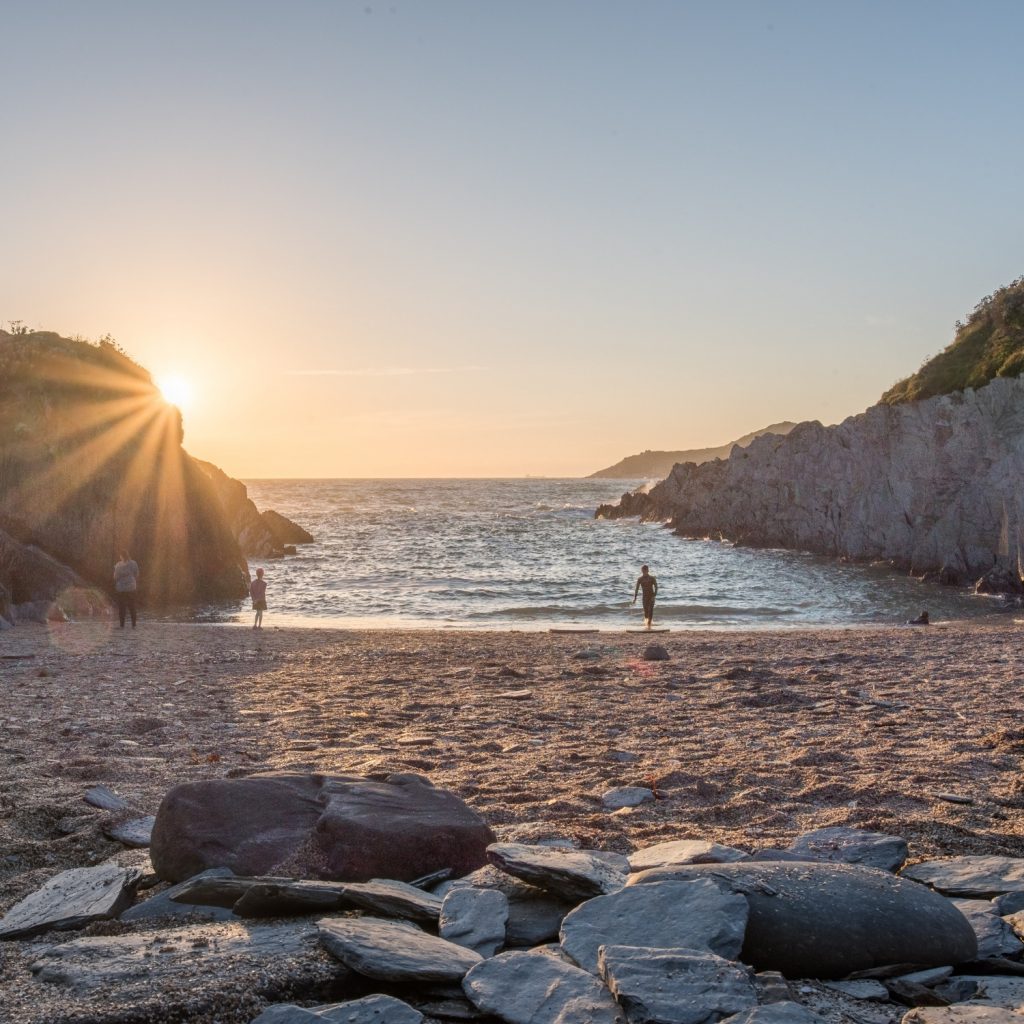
(528, 554)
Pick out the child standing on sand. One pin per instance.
(258, 593)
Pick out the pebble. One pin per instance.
(626, 796)
(655, 652)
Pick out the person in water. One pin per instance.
(649, 585)
(258, 592)
(126, 586)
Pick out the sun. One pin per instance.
(176, 390)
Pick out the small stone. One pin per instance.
(105, 799)
(621, 756)
(655, 652)
(474, 918)
(665, 915)
(675, 986)
(772, 987)
(683, 851)
(514, 695)
(135, 832)
(954, 798)
(852, 846)
(995, 936)
(865, 988)
(535, 988)
(1009, 903)
(994, 990)
(72, 900)
(626, 796)
(394, 950)
(570, 874)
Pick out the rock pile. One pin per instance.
(685, 932)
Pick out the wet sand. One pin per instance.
(748, 738)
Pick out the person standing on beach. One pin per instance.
(258, 592)
(649, 585)
(126, 585)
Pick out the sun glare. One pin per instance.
(176, 390)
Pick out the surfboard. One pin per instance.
(574, 630)
(655, 629)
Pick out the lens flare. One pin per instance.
(176, 390)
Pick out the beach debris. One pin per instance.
(820, 920)
(621, 756)
(971, 875)
(666, 915)
(841, 844)
(536, 988)
(338, 827)
(375, 1009)
(165, 904)
(626, 796)
(683, 851)
(655, 652)
(570, 874)
(475, 918)
(514, 695)
(392, 899)
(72, 899)
(676, 986)
(954, 798)
(135, 832)
(105, 799)
(394, 950)
(995, 936)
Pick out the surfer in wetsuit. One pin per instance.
(649, 585)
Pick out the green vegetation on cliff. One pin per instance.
(990, 344)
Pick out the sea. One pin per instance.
(528, 554)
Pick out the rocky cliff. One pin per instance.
(654, 464)
(91, 462)
(933, 486)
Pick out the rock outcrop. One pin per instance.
(930, 486)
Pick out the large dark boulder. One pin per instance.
(812, 920)
(284, 530)
(339, 827)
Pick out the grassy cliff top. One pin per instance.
(990, 344)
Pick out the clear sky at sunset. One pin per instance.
(490, 239)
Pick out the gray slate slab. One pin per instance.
(392, 899)
(177, 963)
(675, 986)
(105, 799)
(995, 936)
(531, 922)
(135, 832)
(970, 876)
(394, 950)
(475, 918)
(852, 846)
(626, 796)
(164, 904)
(72, 899)
(666, 915)
(534, 988)
(996, 990)
(683, 851)
(784, 1012)
(862, 988)
(814, 920)
(375, 1009)
(573, 875)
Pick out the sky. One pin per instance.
(443, 238)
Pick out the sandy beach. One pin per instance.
(748, 738)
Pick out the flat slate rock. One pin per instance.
(394, 950)
(626, 796)
(852, 846)
(272, 897)
(475, 918)
(995, 990)
(376, 1009)
(964, 1013)
(676, 986)
(666, 915)
(136, 832)
(570, 874)
(176, 963)
(105, 799)
(861, 988)
(535, 988)
(71, 900)
(164, 904)
(970, 876)
(783, 1012)
(813, 920)
(995, 936)
(684, 851)
(392, 899)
